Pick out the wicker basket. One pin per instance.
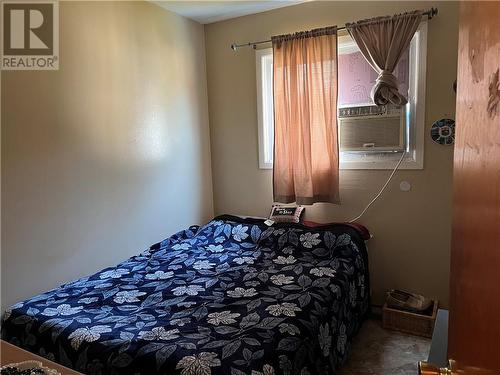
(404, 321)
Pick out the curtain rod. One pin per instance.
(429, 13)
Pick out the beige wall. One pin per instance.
(411, 243)
(107, 155)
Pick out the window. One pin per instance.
(265, 107)
(370, 137)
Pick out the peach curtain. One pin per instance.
(382, 41)
(306, 155)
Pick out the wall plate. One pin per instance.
(443, 131)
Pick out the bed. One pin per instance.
(234, 296)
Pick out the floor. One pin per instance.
(376, 351)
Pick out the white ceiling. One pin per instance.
(212, 11)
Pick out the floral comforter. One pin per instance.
(234, 296)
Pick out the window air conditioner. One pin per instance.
(372, 128)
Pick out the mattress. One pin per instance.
(234, 296)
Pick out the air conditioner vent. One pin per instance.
(371, 128)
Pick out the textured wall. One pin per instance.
(110, 153)
(411, 243)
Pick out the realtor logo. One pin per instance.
(30, 35)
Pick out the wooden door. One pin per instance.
(474, 335)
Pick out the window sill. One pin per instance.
(381, 165)
(388, 164)
(412, 160)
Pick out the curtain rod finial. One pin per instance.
(434, 11)
(234, 47)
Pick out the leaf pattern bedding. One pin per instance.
(234, 296)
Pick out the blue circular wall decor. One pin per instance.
(443, 131)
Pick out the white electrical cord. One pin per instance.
(381, 190)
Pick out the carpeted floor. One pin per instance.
(376, 351)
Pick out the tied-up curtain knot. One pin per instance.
(386, 91)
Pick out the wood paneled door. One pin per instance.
(474, 325)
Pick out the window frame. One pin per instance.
(264, 108)
(414, 158)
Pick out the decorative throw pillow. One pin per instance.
(286, 214)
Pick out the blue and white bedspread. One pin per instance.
(231, 297)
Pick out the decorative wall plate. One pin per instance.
(443, 131)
